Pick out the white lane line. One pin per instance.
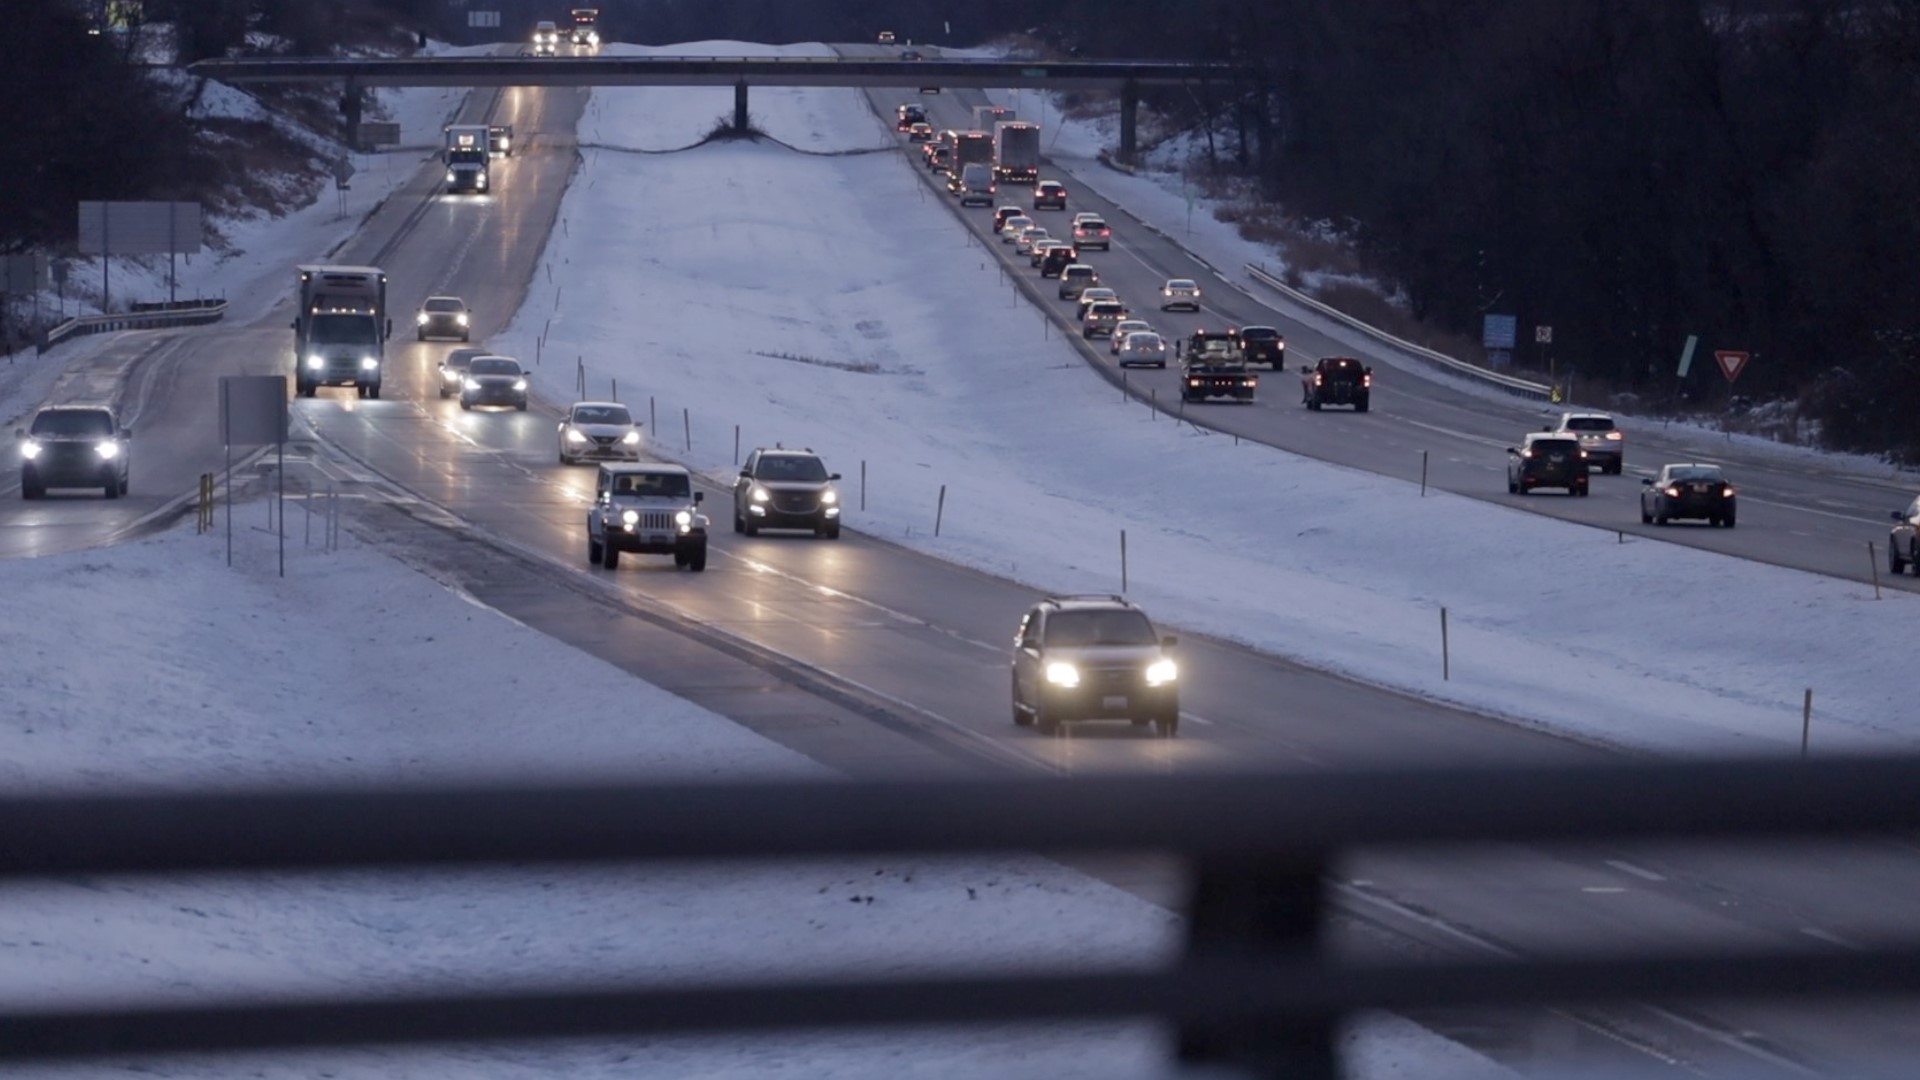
(1603, 889)
(1831, 938)
(1636, 871)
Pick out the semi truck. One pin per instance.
(971, 148)
(467, 158)
(1016, 152)
(340, 329)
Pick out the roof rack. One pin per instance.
(1116, 597)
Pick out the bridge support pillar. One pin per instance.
(1129, 118)
(350, 109)
(740, 106)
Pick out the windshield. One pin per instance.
(602, 414)
(344, 330)
(791, 467)
(1142, 340)
(444, 304)
(466, 157)
(1181, 283)
(652, 485)
(1101, 627)
(487, 365)
(1106, 309)
(73, 422)
(1589, 423)
(1697, 472)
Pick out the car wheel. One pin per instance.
(466, 405)
(1512, 488)
(126, 484)
(522, 406)
(1660, 518)
(679, 558)
(1913, 558)
(593, 551)
(1044, 720)
(752, 527)
(445, 393)
(1360, 406)
(374, 391)
(697, 562)
(610, 557)
(305, 389)
(1581, 491)
(832, 531)
(112, 488)
(466, 337)
(1162, 365)
(1645, 518)
(1729, 519)
(1524, 489)
(360, 391)
(422, 336)
(1169, 725)
(738, 525)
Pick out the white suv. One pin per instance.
(1604, 443)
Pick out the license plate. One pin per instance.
(1114, 701)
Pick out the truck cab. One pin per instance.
(468, 158)
(1336, 380)
(1212, 365)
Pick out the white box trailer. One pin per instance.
(1016, 152)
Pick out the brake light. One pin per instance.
(1673, 491)
(1727, 492)
(1318, 379)
(1366, 380)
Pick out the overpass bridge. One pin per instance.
(1124, 77)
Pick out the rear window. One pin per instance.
(1092, 223)
(1589, 423)
(1700, 472)
(1342, 367)
(1077, 272)
(73, 422)
(1106, 308)
(1554, 446)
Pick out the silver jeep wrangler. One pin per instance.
(648, 509)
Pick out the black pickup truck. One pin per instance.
(1213, 365)
(1336, 380)
(1264, 345)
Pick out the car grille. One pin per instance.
(655, 520)
(795, 502)
(604, 440)
(63, 455)
(1112, 679)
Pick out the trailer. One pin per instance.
(1016, 152)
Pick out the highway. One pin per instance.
(1799, 512)
(879, 661)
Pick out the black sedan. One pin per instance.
(1699, 492)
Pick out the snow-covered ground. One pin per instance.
(897, 344)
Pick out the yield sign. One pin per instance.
(1731, 363)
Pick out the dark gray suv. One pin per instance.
(786, 489)
(1093, 658)
(74, 446)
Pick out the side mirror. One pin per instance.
(126, 433)
(746, 474)
(1897, 515)
(389, 327)
(1366, 371)
(562, 426)
(1647, 481)
(21, 434)
(1513, 449)
(699, 496)
(1306, 369)
(295, 324)
(833, 476)
(1169, 641)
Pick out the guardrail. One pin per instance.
(184, 313)
(1509, 383)
(1258, 986)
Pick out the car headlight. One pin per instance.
(1061, 673)
(631, 438)
(684, 519)
(471, 384)
(506, 144)
(461, 318)
(520, 385)
(108, 449)
(451, 177)
(760, 494)
(1161, 672)
(573, 435)
(30, 449)
(630, 518)
(368, 363)
(449, 374)
(830, 497)
(315, 363)
(421, 318)
(481, 180)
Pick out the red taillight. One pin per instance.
(1366, 380)
(1727, 492)
(1673, 492)
(1614, 435)
(1318, 379)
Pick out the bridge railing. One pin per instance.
(1255, 989)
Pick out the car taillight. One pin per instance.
(1614, 435)
(1366, 380)
(1318, 379)
(1727, 492)
(1673, 491)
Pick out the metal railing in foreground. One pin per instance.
(1253, 988)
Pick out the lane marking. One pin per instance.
(1831, 938)
(1639, 872)
(1603, 889)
